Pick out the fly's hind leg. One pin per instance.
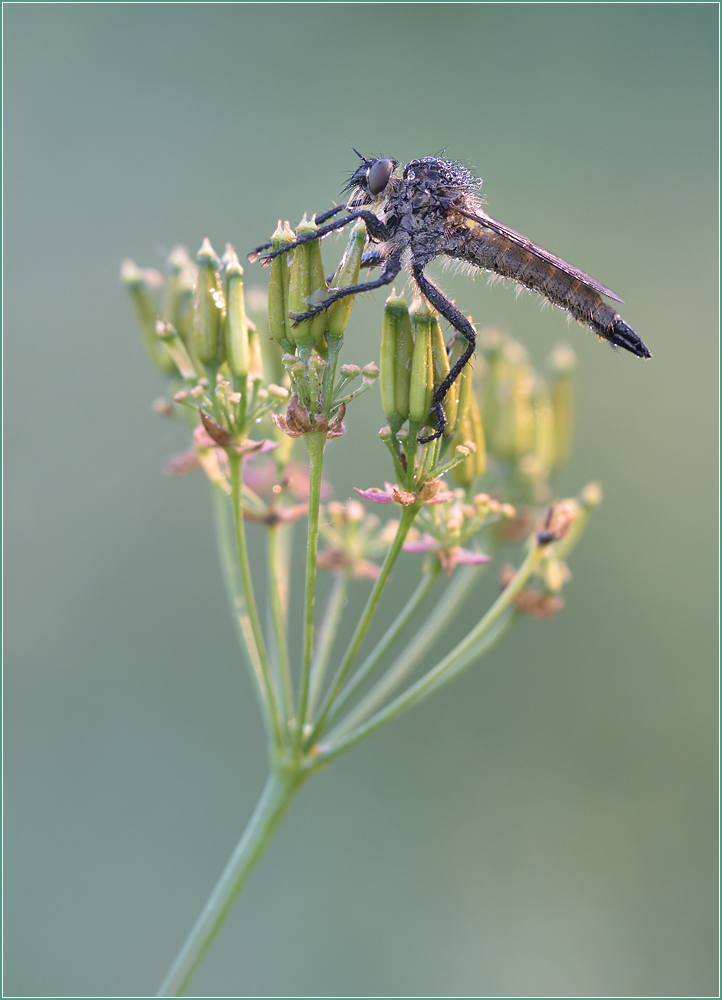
(459, 322)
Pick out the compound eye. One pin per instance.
(379, 175)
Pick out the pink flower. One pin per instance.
(450, 557)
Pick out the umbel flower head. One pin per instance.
(252, 376)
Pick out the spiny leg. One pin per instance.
(324, 216)
(391, 268)
(320, 219)
(457, 319)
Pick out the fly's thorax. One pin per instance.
(427, 236)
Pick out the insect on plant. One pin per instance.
(317, 696)
(432, 208)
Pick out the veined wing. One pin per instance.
(540, 252)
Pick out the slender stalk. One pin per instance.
(278, 600)
(393, 632)
(315, 444)
(495, 633)
(277, 796)
(432, 680)
(265, 676)
(239, 611)
(326, 638)
(329, 375)
(407, 519)
(437, 622)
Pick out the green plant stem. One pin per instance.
(495, 633)
(239, 610)
(329, 375)
(278, 599)
(315, 444)
(265, 677)
(407, 519)
(433, 679)
(435, 625)
(392, 633)
(326, 638)
(277, 796)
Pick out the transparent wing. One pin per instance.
(540, 252)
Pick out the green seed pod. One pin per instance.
(176, 349)
(421, 388)
(299, 287)
(143, 286)
(236, 325)
(318, 289)
(442, 368)
(255, 355)
(179, 293)
(469, 427)
(278, 322)
(508, 416)
(208, 309)
(346, 274)
(561, 385)
(544, 436)
(397, 346)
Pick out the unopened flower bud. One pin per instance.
(176, 348)
(163, 407)
(143, 287)
(508, 415)
(346, 275)
(561, 385)
(208, 307)
(544, 437)
(179, 293)
(421, 388)
(591, 495)
(318, 289)
(236, 325)
(278, 322)
(299, 287)
(441, 370)
(397, 348)
(469, 428)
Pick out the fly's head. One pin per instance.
(370, 180)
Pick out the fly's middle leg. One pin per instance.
(457, 319)
(391, 268)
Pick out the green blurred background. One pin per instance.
(547, 824)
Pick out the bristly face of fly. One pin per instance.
(369, 180)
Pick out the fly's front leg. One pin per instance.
(375, 227)
(457, 319)
(392, 266)
(324, 216)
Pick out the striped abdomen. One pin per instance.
(541, 272)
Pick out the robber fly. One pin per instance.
(432, 208)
